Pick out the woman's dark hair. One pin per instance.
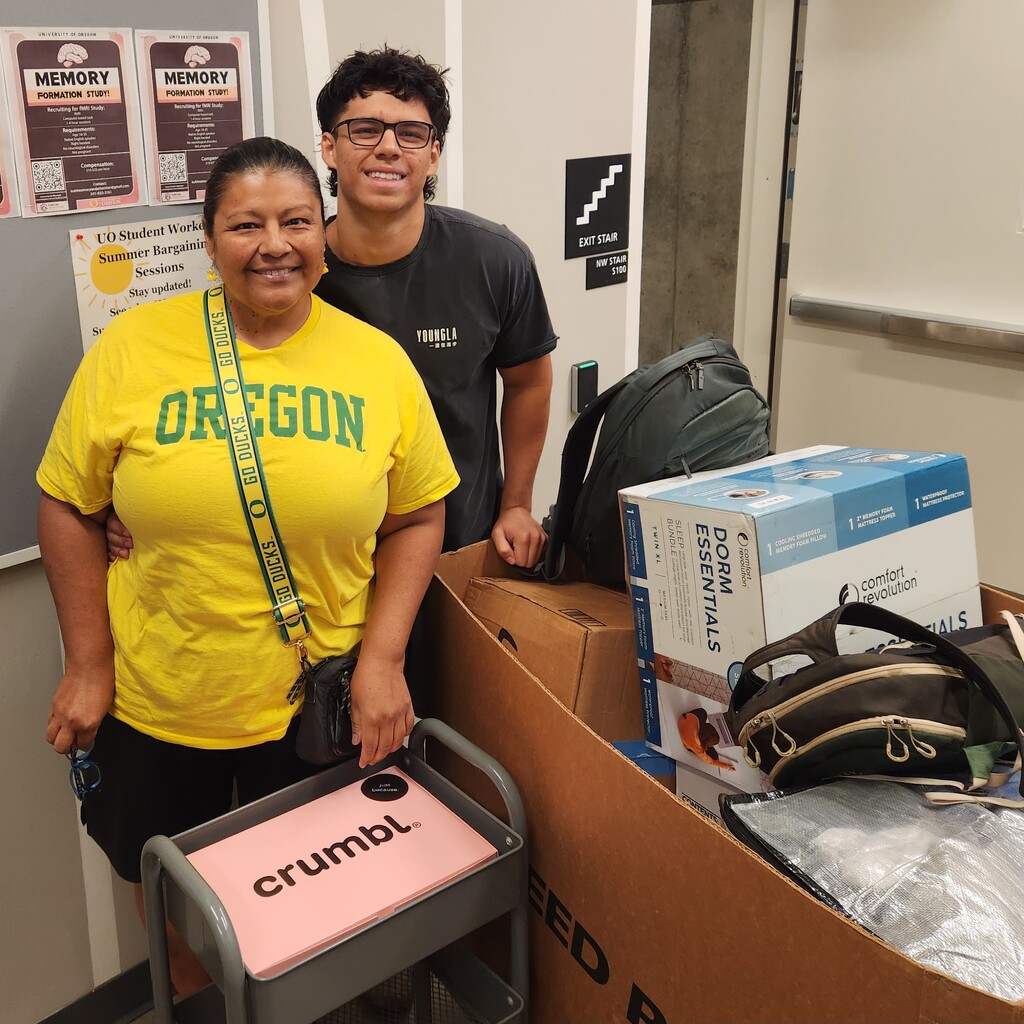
(250, 156)
(405, 75)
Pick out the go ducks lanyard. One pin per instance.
(286, 606)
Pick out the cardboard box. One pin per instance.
(577, 637)
(729, 560)
(642, 910)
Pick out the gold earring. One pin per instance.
(326, 268)
(211, 274)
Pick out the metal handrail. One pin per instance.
(910, 324)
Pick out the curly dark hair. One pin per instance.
(403, 74)
(249, 156)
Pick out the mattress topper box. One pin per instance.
(728, 560)
(577, 638)
(297, 883)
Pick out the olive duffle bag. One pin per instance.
(925, 707)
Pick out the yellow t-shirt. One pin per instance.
(345, 433)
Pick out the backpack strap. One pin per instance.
(579, 443)
(816, 641)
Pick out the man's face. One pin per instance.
(384, 178)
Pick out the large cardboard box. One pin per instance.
(642, 910)
(729, 560)
(578, 636)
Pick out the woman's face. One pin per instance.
(267, 239)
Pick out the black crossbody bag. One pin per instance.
(325, 726)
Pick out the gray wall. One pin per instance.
(700, 55)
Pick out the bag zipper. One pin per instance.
(891, 724)
(766, 718)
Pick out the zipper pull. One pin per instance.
(924, 749)
(700, 376)
(689, 374)
(891, 724)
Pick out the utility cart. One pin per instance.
(345, 980)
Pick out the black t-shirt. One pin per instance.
(466, 301)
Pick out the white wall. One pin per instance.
(909, 194)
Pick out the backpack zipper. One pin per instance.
(891, 724)
(765, 718)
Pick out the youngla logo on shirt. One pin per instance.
(280, 410)
(438, 337)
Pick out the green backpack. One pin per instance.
(696, 409)
(932, 708)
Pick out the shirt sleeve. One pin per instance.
(78, 463)
(423, 471)
(526, 330)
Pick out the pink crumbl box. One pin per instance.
(297, 883)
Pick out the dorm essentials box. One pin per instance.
(579, 637)
(725, 561)
(642, 910)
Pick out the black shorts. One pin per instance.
(149, 787)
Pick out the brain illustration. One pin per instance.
(72, 53)
(197, 55)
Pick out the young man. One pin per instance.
(460, 294)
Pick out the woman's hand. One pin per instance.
(119, 540)
(78, 707)
(382, 714)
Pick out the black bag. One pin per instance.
(928, 706)
(325, 725)
(696, 409)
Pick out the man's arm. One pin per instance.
(74, 553)
(407, 550)
(525, 403)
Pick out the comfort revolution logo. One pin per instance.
(883, 586)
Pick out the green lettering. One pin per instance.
(282, 427)
(207, 412)
(253, 394)
(322, 432)
(178, 401)
(350, 417)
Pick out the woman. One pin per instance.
(181, 688)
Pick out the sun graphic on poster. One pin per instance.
(108, 268)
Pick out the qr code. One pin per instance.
(172, 168)
(47, 176)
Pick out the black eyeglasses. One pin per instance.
(368, 131)
(84, 774)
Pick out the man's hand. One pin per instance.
(119, 540)
(81, 701)
(382, 714)
(518, 538)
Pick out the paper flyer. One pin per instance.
(8, 197)
(125, 265)
(77, 141)
(196, 92)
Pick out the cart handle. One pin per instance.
(161, 855)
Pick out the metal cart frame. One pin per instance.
(426, 927)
